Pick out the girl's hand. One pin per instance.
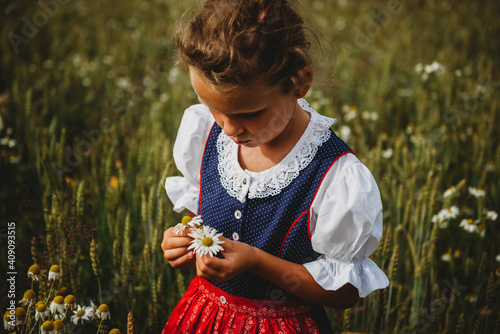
(238, 257)
(175, 249)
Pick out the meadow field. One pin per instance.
(90, 102)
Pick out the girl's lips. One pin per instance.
(244, 142)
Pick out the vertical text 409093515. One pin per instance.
(11, 271)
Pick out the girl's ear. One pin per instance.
(303, 82)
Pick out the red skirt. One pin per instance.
(204, 308)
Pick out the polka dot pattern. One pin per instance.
(276, 224)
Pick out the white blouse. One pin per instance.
(345, 216)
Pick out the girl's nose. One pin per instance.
(231, 127)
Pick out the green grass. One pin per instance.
(106, 70)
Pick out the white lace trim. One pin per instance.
(238, 183)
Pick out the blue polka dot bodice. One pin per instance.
(277, 224)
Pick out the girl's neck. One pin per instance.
(258, 159)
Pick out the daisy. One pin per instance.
(57, 305)
(497, 258)
(48, 327)
(20, 316)
(449, 213)
(206, 241)
(457, 253)
(103, 312)
(59, 327)
(28, 298)
(450, 192)
(439, 219)
(446, 257)
(186, 222)
(387, 153)
(34, 272)
(468, 225)
(491, 215)
(70, 302)
(7, 321)
(481, 230)
(41, 311)
(54, 273)
(477, 192)
(115, 331)
(81, 314)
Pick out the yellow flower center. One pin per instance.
(34, 269)
(58, 300)
(6, 316)
(20, 312)
(29, 294)
(200, 227)
(55, 268)
(48, 326)
(480, 228)
(186, 220)
(470, 221)
(80, 313)
(449, 210)
(41, 307)
(103, 308)
(58, 325)
(70, 299)
(115, 331)
(207, 241)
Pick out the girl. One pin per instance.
(299, 213)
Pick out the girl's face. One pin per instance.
(252, 116)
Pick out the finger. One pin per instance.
(182, 260)
(176, 242)
(175, 253)
(205, 271)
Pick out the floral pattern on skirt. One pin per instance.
(204, 308)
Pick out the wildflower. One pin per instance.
(450, 192)
(20, 316)
(34, 272)
(472, 298)
(477, 192)
(59, 327)
(113, 182)
(446, 257)
(345, 132)
(115, 331)
(48, 327)
(41, 311)
(7, 321)
(54, 273)
(449, 213)
(28, 298)
(57, 305)
(187, 221)
(70, 302)
(206, 241)
(491, 215)
(387, 153)
(481, 230)
(457, 253)
(369, 115)
(103, 312)
(468, 225)
(81, 314)
(497, 258)
(351, 114)
(439, 219)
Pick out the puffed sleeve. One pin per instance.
(195, 126)
(346, 227)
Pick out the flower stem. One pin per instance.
(98, 328)
(50, 291)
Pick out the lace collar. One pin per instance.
(238, 182)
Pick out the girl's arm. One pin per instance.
(292, 277)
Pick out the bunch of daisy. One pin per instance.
(206, 240)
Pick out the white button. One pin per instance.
(237, 214)
(222, 299)
(236, 237)
(244, 181)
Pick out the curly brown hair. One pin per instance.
(233, 46)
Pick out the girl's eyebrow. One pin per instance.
(235, 114)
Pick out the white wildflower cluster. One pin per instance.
(477, 192)
(426, 70)
(350, 112)
(443, 217)
(188, 222)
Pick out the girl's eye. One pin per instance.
(252, 115)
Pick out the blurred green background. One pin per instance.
(90, 102)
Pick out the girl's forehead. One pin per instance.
(247, 99)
